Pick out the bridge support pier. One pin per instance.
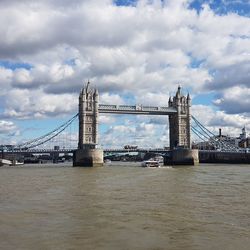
(183, 156)
(88, 158)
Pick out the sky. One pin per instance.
(134, 52)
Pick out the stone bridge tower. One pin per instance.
(88, 118)
(87, 154)
(179, 123)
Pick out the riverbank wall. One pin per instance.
(224, 157)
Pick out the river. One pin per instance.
(125, 207)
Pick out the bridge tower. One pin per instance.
(88, 118)
(179, 123)
(87, 154)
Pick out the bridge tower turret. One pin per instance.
(179, 123)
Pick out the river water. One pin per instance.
(125, 207)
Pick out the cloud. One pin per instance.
(7, 127)
(9, 132)
(27, 104)
(122, 46)
(235, 100)
(106, 119)
(233, 75)
(6, 76)
(22, 77)
(143, 135)
(107, 98)
(132, 54)
(231, 124)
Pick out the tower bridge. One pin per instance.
(88, 153)
(178, 111)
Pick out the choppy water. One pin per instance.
(125, 207)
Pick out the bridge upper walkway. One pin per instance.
(136, 109)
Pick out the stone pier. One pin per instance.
(182, 156)
(88, 158)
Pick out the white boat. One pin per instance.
(19, 163)
(160, 159)
(151, 163)
(107, 161)
(5, 162)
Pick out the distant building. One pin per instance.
(243, 135)
(203, 145)
(242, 141)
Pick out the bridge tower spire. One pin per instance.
(179, 123)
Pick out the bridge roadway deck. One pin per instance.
(48, 151)
(136, 109)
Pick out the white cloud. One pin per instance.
(154, 44)
(6, 76)
(22, 77)
(142, 134)
(235, 100)
(154, 99)
(107, 98)
(7, 127)
(35, 104)
(106, 119)
(59, 72)
(231, 124)
(143, 51)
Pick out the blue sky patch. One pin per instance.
(204, 99)
(222, 7)
(71, 62)
(15, 65)
(125, 2)
(196, 63)
(31, 129)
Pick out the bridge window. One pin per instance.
(89, 107)
(88, 139)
